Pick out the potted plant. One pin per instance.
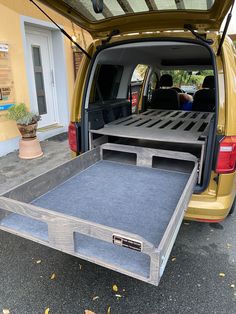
(27, 123)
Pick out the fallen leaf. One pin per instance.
(38, 261)
(118, 295)
(5, 311)
(95, 298)
(53, 276)
(232, 285)
(47, 311)
(88, 312)
(222, 274)
(115, 288)
(173, 259)
(229, 245)
(109, 310)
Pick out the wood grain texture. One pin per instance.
(145, 155)
(43, 183)
(61, 229)
(161, 125)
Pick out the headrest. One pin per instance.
(208, 82)
(166, 80)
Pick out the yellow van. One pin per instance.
(165, 36)
(148, 151)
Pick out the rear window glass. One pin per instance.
(188, 81)
(120, 7)
(139, 73)
(107, 82)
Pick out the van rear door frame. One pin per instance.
(212, 137)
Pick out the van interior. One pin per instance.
(161, 120)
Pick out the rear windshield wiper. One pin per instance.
(62, 30)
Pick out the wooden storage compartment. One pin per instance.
(120, 213)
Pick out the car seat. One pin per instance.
(204, 99)
(165, 97)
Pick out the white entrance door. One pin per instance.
(41, 74)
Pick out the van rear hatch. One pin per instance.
(122, 213)
(126, 16)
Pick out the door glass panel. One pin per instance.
(136, 86)
(152, 85)
(39, 83)
(42, 104)
(39, 80)
(36, 56)
(107, 82)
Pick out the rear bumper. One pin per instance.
(212, 210)
(215, 203)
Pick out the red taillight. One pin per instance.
(72, 137)
(226, 161)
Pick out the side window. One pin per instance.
(139, 73)
(187, 80)
(136, 85)
(152, 85)
(107, 82)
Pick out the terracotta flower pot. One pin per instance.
(28, 131)
(30, 148)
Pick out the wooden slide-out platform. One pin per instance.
(120, 215)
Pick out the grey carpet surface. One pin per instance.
(111, 254)
(26, 225)
(135, 199)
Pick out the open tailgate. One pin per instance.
(117, 206)
(142, 15)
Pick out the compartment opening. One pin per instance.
(111, 254)
(26, 225)
(122, 157)
(184, 166)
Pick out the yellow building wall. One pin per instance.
(11, 33)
